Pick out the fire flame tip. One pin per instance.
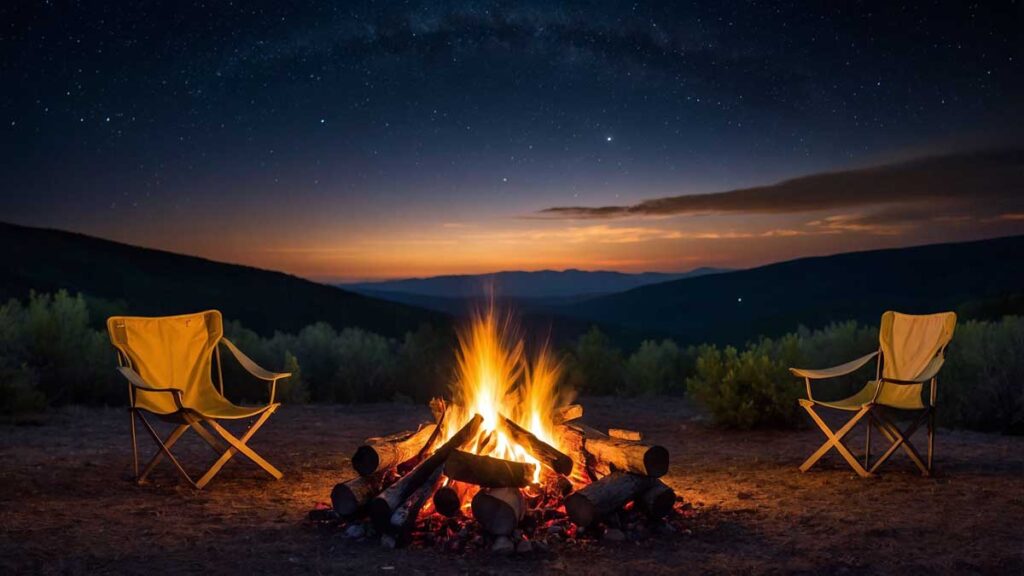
(499, 385)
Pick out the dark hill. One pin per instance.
(517, 285)
(735, 306)
(154, 282)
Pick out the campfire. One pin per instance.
(506, 461)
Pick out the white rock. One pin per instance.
(503, 545)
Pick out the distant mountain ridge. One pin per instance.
(542, 284)
(736, 306)
(155, 282)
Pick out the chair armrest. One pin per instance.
(835, 371)
(138, 383)
(252, 367)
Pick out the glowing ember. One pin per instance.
(496, 378)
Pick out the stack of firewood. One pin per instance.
(404, 475)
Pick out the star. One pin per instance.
(608, 138)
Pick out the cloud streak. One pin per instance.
(987, 183)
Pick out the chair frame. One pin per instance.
(876, 417)
(188, 418)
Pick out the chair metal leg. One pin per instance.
(165, 450)
(931, 437)
(135, 446)
(218, 446)
(835, 440)
(867, 445)
(239, 445)
(901, 440)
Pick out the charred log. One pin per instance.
(384, 505)
(567, 413)
(548, 455)
(448, 501)
(486, 471)
(589, 504)
(571, 440)
(379, 454)
(499, 510)
(403, 519)
(657, 501)
(349, 497)
(622, 434)
(611, 454)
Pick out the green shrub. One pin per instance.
(292, 390)
(425, 363)
(366, 367)
(981, 386)
(51, 353)
(594, 366)
(655, 368)
(19, 391)
(751, 388)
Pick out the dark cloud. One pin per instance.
(981, 184)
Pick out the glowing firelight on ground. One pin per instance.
(497, 378)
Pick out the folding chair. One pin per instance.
(911, 352)
(168, 362)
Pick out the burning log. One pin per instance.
(348, 497)
(624, 455)
(486, 471)
(384, 505)
(571, 440)
(589, 504)
(499, 510)
(622, 434)
(438, 407)
(404, 517)
(657, 501)
(379, 454)
(567, 413)
(547, 454)
(448, 500)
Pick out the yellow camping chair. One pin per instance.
(168, 362)
(911, 352)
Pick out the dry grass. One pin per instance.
(66, 504)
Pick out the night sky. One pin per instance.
(358, 140)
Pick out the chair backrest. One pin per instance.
(169, 352)
(908, 344)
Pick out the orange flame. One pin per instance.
(495, 379)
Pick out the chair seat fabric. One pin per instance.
(222, 409)
(899, 396)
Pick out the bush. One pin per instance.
(49, 354)
(366, 367)
(594, 366)
(292, 390)
(425, 363)
(981, 386)
(749, 389)
(655, 368)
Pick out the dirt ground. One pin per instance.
(67, 505)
